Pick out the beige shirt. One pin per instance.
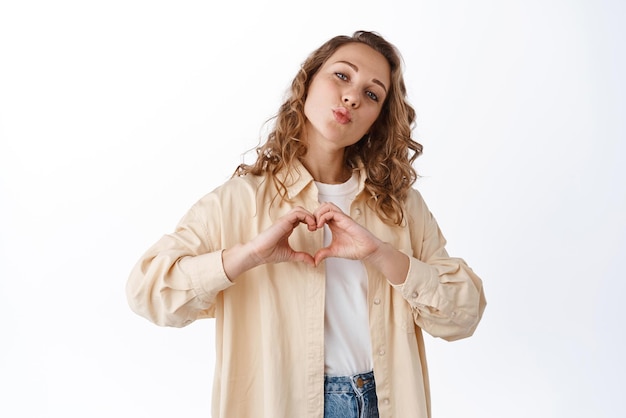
(270, 324)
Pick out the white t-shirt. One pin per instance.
(347, 343)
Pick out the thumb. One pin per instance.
(321, 255)
(305, 258)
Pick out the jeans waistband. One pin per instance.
(359, 383)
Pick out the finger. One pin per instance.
(327, 207)
(328, 217)
(309, 220)
(300, 215)
(323, 214)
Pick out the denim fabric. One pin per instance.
(350, 396)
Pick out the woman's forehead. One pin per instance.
(365, 58)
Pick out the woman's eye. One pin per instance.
(342, 76)
(372, 95)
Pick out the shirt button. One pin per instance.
(386, 401)
(414, 295)
(357, 212)
(376, 301)
(381, 352)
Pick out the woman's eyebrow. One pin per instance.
(355, 68)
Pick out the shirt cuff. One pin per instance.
(206, 273)
(421, 279)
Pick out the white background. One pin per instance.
(116, 116)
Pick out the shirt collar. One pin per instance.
(298, 178)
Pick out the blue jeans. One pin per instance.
(350, 396)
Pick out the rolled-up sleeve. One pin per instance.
(445, 295)
(178, 279)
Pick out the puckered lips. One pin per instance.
(342, 115)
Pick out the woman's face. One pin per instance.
(346, 96)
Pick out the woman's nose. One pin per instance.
(350, 98)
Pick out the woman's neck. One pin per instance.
(328, 171)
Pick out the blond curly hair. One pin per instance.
(387, 151)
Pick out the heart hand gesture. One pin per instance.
(349, 240)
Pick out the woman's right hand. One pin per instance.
(271, 245)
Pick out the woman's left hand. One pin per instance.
(349, 239)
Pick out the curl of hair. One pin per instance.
(387, 152)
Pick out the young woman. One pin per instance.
(319, 262)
